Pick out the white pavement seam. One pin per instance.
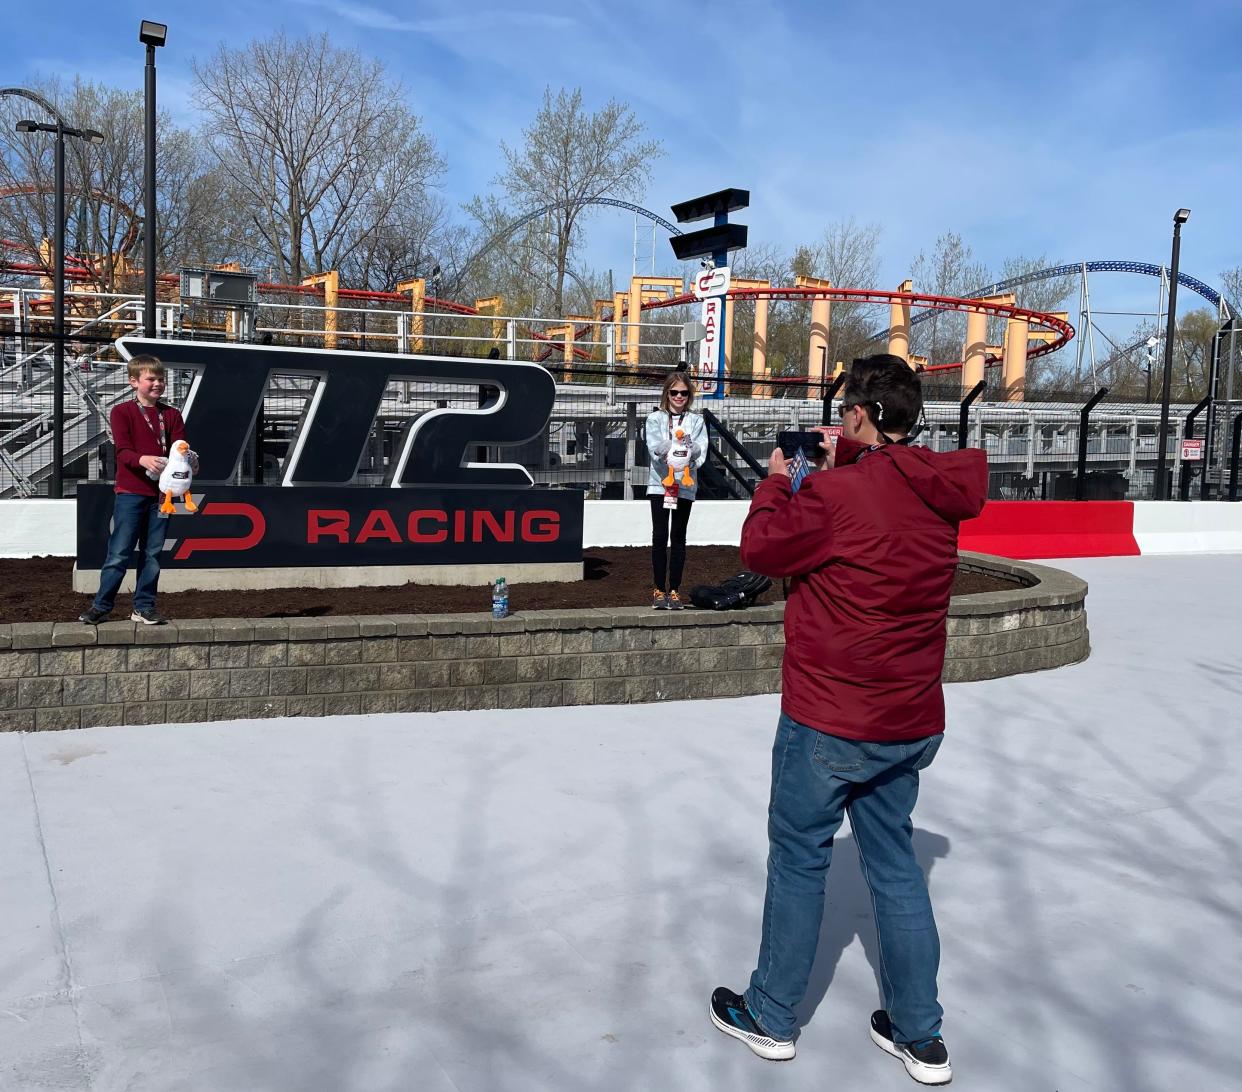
(66, 961)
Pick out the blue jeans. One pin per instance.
(816, 779)
(136, 523)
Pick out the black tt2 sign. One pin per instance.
(230, 382)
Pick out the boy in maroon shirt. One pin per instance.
(143, 430)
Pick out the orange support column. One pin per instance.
(974, 352)
(331, 282)
(759, 353)
(619, 304)
(417, 288)
(642, 289)
(759, 356)
(633, 316)
(597, 317)
(817, 349)
(1013, 361)
(899, 324)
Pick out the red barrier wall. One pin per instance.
(1029, 529)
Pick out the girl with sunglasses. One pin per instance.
(663, 425)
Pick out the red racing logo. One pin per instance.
(258, 526)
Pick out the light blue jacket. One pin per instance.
(659, 440)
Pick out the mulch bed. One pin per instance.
(40, 590)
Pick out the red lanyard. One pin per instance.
(159, 435)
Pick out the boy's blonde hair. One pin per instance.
(145, 363)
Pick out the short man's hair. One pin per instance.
(888, 390)
(145, 363)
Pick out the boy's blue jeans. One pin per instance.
(816, 779)
(136, 523)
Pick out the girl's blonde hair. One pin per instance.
(675, 377)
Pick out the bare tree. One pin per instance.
(1231, 286)
(950, 271)
(848, 255)
(569, 157)
(318, 143)
(104, 184)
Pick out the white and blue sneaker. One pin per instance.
(927, 1061)
(729, 1013)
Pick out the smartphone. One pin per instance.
(806, 442)
(799, 468)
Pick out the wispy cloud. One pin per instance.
(374, 18)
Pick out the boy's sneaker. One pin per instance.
(674, 601)
(927, 1061)
(150, 617)
(92, 616)
(659, 601)
(729, 1013)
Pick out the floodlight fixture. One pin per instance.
(152, 34)
(27, 126)
(1181, 216)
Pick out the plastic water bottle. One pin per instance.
(500, 598)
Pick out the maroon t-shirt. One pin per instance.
(136, 432)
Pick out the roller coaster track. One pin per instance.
(1105, 266)
(1063, 330)
(516, 225)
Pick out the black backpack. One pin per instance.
(735, 593)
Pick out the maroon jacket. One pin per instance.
(871, 545)
(135, 438)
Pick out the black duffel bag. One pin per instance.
(733, 594)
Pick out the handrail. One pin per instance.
(714, 450)
(715, 422)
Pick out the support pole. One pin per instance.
(1013, 366)
(57, 485)
(759, 357)
(1080, 478)
(148, 214)
(1162, 437)
(963, 416)
(1189, 434)
(974, 352)
(1233, 458)
(838, 381)
(899, 324)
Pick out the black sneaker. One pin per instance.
(730, 1014)
(150, 617)
(92, 616)
(927, 1061)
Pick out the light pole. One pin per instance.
(1162, 486)
(56, 488)
(151, 35)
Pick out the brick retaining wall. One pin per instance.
(66, 675)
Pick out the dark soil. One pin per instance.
(40, 590)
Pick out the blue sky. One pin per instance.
(1072, 130)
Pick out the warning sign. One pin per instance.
(1192, 451)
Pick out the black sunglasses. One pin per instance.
(679, 394)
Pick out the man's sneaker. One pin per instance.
(659, 601)
(92, 616)
(927, 1061)
(150, 617)
(730, 1014)
(674, 601)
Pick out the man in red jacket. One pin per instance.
(143, 430)
(870, 545)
